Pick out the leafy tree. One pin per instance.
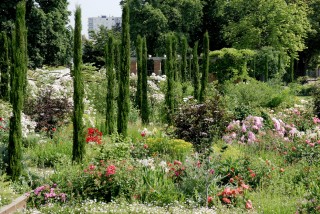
(48, 37)
(111, 78)
(205, 68)
(258, 23)
(144, 85)
(123, 98)
(93, 49)
(18, 81)
(78, 127)
(139, 71)
(196, 82)
(309, 57)
(4, 66)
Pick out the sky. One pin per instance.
(94, 8)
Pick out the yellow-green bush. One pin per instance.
(175, 148)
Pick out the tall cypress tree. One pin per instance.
(174, 58)
(205, 68)
(184, 59)
(196, 82)
(189, 75)
(18, 79)
(78, 109)
(123, 98)
(169, 96)
(144, 84)
(117, 60)
(111, 78)
(139, 72)
(4, 67)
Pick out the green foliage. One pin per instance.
(17, 92)
(170, 81)
(174, 148)
(93, 49)
(7, 194)
(272, 23)
(205, 68)
(111, 78)
(4, 66)
(78, 127)
(124, 93)
(48, 153)
(184, 71)
(231, 63)
(199, 123)
(270, 64)
(196, 74)
(144, 85)
(140, 56)
(243, 99)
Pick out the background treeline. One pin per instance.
(289, 27)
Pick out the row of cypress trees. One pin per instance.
(200, 88)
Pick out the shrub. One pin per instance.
(199, 123)
(245, 98)
(48, 110)
(46, 194)
(175, 148)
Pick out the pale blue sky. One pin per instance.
(93, 8)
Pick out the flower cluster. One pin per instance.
(283, 130)
(230, 195)
(100, 169)
(94, 136)
(176, 170)
(244, 132)
(46, 194)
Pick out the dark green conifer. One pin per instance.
(169, 96)
(196, 82)
(123, 97)
(4, 67)
(78, 109)
(18, 80)
(139, 72)
(184, 59)
(111, 78)
(205, 68)
(144, 84)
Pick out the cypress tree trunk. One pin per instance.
(144, 85)
(123, 98)
(4, 67)
(139, 72)
(205, 69)
(18, 80)
(78, 109)
(196, 82)
(184, 59)
(110, 117)
(169, 97)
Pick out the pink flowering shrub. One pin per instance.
(245, 131)
(46, 194)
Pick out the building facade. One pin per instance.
(107, 21)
